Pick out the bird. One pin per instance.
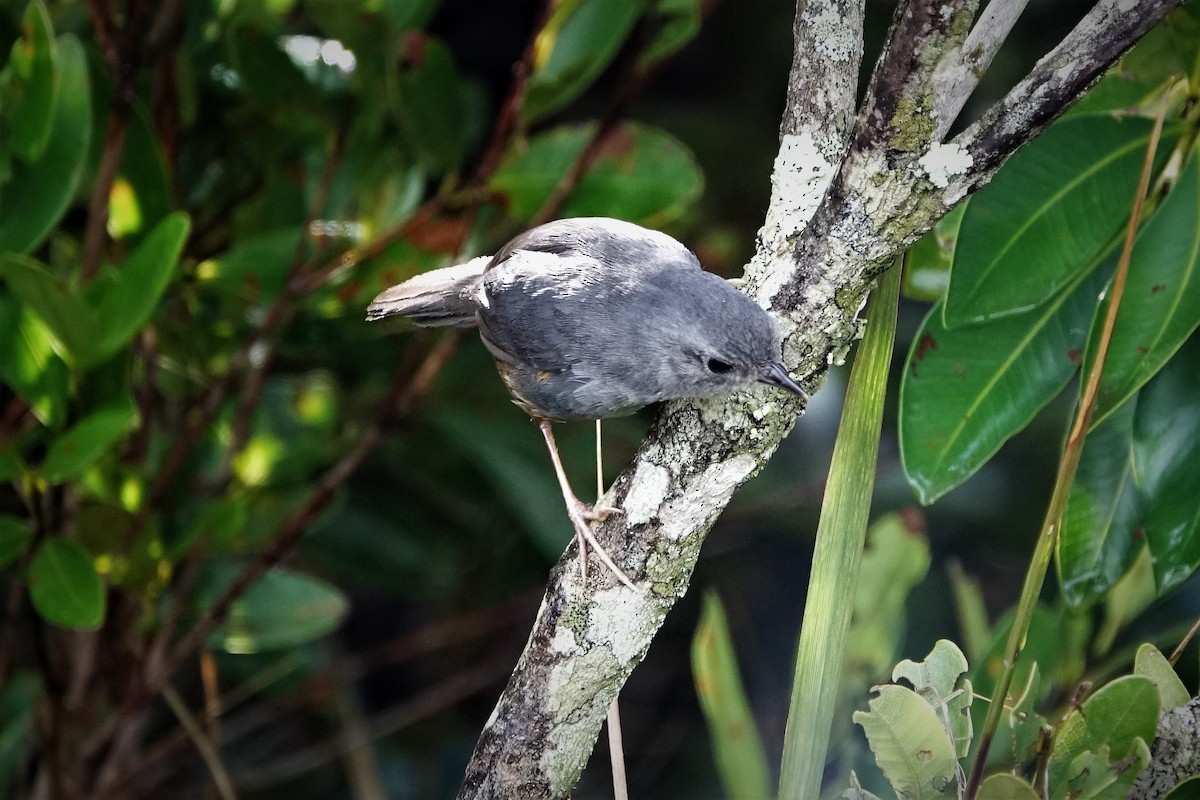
(596, 317)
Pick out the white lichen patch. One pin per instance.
(945, 161)
(647, 493)
(624, 621)
(704, 494)
(564, 640)
(834, 40)
(799, 179)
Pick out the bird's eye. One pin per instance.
(718, 367)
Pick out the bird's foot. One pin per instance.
(598, 513)
(581, 515)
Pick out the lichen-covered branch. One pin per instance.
(845, 200)
(1059, 79)
(960, 70)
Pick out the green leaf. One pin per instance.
(936, 679)
(970, 610)
(741, 762)
(281, 609)
(52, 300)
(32, 83)
(1166, 428)
(1096, 775)
(577, 43)
(1047, 214)
(141, 195)
(29, 364)
(1185, 790)
(966, 391)
(38, 193)
(1116, 721)
(431, 101)
(642, 174)
(85, 442)
(927, 263)
(125, 307)
(255, 269)
(1005, 787)
(676, 23)
(1151, 663)
(1161, 304)
(1128, 598)
(895, 560)
(64, 586)
(1099, 539)
(14, 538)
(910, 745)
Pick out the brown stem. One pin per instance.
(106, 174)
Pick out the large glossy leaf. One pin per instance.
(642, 174)
(579, 41)
(1166, 429)
(1115, 722)
(966, 391)
(83, 443)
(1046, 215)
(280, 610)
(64, 586)
(38, 192)
(32, 83)
(741, 762)
(123, 309)
(1099, 539)
(1161, 304)
(48, 296)
(29, 364)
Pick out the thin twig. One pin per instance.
(1043, 550)
(204, 746)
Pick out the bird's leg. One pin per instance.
(581, 513)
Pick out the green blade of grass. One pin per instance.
(838, 551)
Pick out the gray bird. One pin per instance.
(595, 317)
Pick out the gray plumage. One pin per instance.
(597, 317)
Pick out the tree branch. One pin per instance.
(822, 245)
(959, 72)
(1058, 79)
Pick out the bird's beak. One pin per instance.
(777, 376)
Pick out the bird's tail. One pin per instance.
(439, 297)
